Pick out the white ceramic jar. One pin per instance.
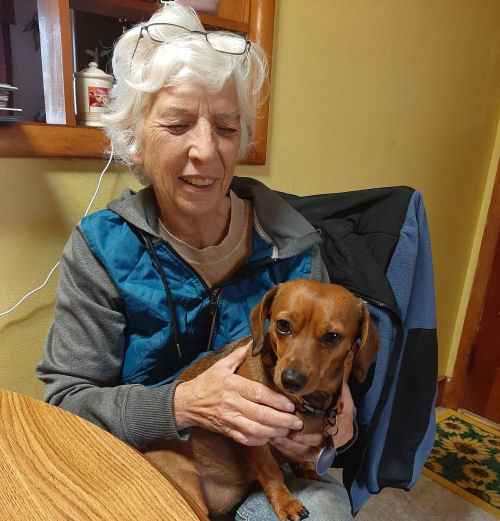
(92, 89)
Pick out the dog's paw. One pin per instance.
(294, 510)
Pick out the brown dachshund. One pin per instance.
(308, 351)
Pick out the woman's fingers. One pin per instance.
(305, 447)
(249, 432)
(221, 401)
(300, 447)
(233, 360)
(257, 394)
(264, 409)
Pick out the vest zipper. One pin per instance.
(214, 292)
(213, 296)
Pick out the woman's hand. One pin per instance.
(300, 448)
(221, 401)
(306, 447)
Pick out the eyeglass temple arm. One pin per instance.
(137, 44)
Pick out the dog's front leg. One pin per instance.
(307, 470)
(269, 475)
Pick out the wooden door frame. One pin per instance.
(454, 393)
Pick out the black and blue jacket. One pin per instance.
(376, 243)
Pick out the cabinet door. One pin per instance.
(57, 64)
(234, 10)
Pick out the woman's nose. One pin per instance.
(203, 146)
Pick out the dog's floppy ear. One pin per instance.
(368, 346)
(258, 318)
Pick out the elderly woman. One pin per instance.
(163, 275)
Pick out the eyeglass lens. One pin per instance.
(227, 42)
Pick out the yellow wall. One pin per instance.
(365, 93)
(40, 202)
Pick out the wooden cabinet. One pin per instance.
(61, 137)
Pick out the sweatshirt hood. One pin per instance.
(138, 208)
(290, 232)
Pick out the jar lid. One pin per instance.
(92, 71)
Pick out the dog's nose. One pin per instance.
(293, 380)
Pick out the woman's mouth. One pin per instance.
(199, 181)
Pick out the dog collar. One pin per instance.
(329, 413)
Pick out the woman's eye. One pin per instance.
(177, 129)
(226, 131)
(332, 338)
(283, 327)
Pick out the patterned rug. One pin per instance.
(466, 460)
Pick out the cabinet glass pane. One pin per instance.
(20, 61)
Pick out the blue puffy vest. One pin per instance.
(207, 318)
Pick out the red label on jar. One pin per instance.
(97, 98)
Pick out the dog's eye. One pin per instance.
(332, 338)
(283, 326)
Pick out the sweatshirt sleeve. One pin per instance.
(84, 353)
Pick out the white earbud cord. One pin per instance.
(55, 267)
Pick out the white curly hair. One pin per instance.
(182, 56)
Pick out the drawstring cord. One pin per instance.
(170, 301)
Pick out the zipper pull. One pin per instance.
(213, 302)
(212, 314)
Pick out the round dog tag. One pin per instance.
(325, 459)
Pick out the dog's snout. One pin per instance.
(293, 380)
